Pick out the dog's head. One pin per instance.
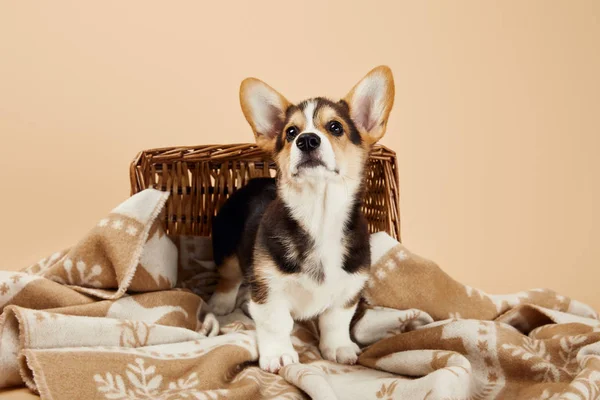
(320, 138)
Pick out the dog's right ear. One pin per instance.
(264, 108)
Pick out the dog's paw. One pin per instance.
(272, 360)
(210, 326)
(222, 303)
(342, 353)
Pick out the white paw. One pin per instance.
(222, 303)
(343, 353)
(273, 359)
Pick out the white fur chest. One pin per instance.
(306, 298)
(322, 207)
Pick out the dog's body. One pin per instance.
(320, 272)
(301, 243)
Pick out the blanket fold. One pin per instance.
(121, 315)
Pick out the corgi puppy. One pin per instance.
(300, 242)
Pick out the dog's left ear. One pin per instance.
(370, 103)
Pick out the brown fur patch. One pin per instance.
(361, 310)
(326, 114)
(296, 119)
(282, 159)
(263, 271)
(346, 152)
(230, 275)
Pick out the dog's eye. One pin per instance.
(291, 133)
(335, 128)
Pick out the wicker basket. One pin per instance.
(200, 178)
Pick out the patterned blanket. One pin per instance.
(121, 315)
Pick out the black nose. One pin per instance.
(308, 142)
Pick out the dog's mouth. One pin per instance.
(312, 163)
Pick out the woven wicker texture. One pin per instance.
(201, 178)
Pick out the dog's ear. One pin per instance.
(370, 103)
(264, 108)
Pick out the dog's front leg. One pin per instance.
(335, 343)
(274, 326)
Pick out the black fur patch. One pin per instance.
(356, 235)
(235, 226)
(284, 239)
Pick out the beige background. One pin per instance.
(496, 122)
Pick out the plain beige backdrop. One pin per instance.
(496, 121)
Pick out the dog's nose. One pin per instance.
(308, 142)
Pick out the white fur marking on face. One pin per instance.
(325, 151)
(368, 102)
(309, 115)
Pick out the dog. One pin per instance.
(300, 243)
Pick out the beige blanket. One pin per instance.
(103, 320)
